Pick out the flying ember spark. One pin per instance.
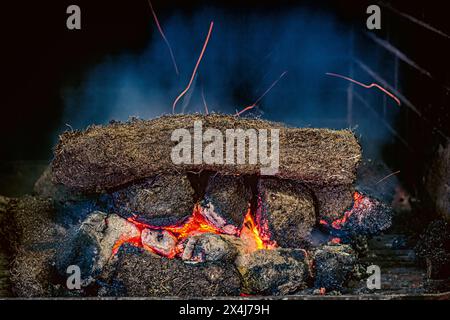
(262, 96)
(195, 68)
(155, 17)
(367, 86)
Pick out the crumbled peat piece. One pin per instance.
(138, 273)
(368, 216)
(105, 157)
(209, 247)
(433, 248)
(35, 239)
(228, 197)
(332, 201)
(333, 266)
(161, 241)
(273, 272)
(288, 209)
(161, 200)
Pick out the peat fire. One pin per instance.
(254, 234)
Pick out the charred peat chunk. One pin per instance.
(368, 216)
(333, 266)
(91, 244)
(138, 273)
(161, 200)
(210, 247)
(288, 208)
(161, 241)
(274, 272)
(228, 197)
(331, 200)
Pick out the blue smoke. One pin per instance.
(245, 55)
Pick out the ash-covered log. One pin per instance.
(288, 208)
(104, 157)
(138, 273)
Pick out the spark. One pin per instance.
(195, 68)
(388, 176)
(262, 96)
(367, 86)
(155, 17)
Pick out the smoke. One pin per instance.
(245, 55)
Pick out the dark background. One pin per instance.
(40, 58)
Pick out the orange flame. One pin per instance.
(251, 233)
(252, 236)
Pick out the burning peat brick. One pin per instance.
(138, 273)
(159, 201)
(274, 272)
(332, 201)
(368, 216)
(333, 266)
(105, 157)
(228, 197)
(161, 241)
(288, 208)
(209, 247)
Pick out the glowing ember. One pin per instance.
(357, 200)
(252, 234)
(336, 240)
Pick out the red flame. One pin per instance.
(253, 233)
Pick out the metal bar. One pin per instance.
(389, 47)
(414, 20)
